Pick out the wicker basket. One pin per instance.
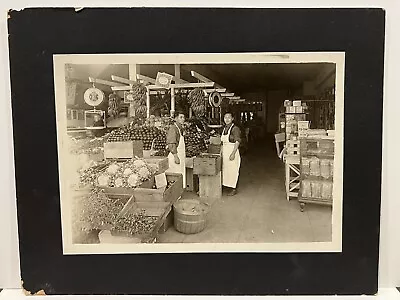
(190, 216)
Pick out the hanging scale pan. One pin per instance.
(93, 96)
(215, 99)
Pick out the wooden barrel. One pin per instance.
(190, 216)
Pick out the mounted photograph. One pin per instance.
(227, 152)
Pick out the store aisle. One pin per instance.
(260, 211)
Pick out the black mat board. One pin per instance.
(36, 34)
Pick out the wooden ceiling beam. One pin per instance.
(146, 79)
(204, 79)
(104, 82)
(177, 86)
(123, 80)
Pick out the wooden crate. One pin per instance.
(214, 149)
(154, 195)
(168, 223)
(148, 184)
(161, 210)
(207, 164)
(123, 150)
(210, 186)
(160, 162)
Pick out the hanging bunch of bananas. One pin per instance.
(197, 102)
(138, 92)
(114, 105)
(141, 110)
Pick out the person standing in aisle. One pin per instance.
(176, 147)
(230, 153)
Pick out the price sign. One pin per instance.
(163, 79)
(129, 97)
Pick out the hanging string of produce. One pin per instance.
(137, 97)
(114, 105)
(197, 102)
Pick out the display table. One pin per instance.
(292, 176)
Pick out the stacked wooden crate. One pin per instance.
(209, 169)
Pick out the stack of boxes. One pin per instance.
(296, 124)
(295, 107)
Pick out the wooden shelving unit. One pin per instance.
(292, 157)
(316, 169)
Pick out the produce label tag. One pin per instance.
(161, 180)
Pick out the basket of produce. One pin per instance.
(190, 216)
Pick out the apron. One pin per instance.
(181, 168)
(230, 168)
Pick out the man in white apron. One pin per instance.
(176, 147)
(230, 154)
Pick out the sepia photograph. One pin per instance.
(227, 152)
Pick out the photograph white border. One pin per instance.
(210, 58)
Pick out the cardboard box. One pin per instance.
(297, 103)
(303, 126)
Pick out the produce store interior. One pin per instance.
(285, 113)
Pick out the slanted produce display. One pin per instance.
(146, 134)
(196, 135)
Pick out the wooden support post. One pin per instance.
(177, 71)
(172, 102)
(177, 77)
(148, 103)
